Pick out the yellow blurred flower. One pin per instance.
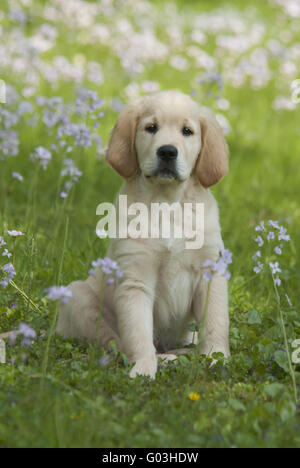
(194, 396)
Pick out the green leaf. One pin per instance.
(236, 404)
(282, 360)
(183, 360)
(274, 389)
(287, 410)
(254, 318)
(114, 347)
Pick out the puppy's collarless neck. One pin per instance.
(152, 191)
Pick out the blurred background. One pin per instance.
(70, 66)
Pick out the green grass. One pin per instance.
(247, 402)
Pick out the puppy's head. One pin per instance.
(166, 137)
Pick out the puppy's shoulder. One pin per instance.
(195, 193)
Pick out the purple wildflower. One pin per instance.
(226, 256)
(208, 264)
(117, 105)
(283, 235)
(258, 268)
(270, 235)
(17, 176)
(207, 276)
(42, 155)
(259, 240)
(28, 335)
(220, 266)
(9, 274)
(275, 268)
(274, 224)
(70, 169)
(80, 133)
(9, 270)
(212, 78)
(9, 119)
(109, 267)
(88, 102)
(61, 293)
(9, 143)
(25, 108)
(15, 233)
(26, 331)
(6, 253)
(257, 255)
(260, 227)
(277, 281)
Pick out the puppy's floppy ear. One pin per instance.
(212, 163)
(121, 153)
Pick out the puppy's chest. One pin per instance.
(176, 282)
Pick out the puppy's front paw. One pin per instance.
(146, 366)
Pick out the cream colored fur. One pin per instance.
(148, 310)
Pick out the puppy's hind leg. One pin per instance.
(79, 318)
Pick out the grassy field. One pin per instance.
(238, 57)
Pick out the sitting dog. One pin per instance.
(168, 149)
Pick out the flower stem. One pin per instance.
(201, 331)
(55, 315)
(292, 373)
(28, 299)
(95, 342)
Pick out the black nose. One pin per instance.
(167, 152)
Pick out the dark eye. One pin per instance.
(151, 128)
(187, 131)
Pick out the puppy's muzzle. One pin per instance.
(167, 156)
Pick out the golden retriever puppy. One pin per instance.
(169, 150)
